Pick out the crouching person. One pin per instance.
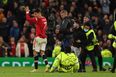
(65, 62)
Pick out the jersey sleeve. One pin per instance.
(29, 19)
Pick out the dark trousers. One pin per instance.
(83, 57)
(114, 63)
(97, 53)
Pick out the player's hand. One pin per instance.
(27, 9)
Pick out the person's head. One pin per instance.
(104, 37)
(86, 19)
(76, 24)
(22, 39)
(32, 30)
(90, 9)
(37, 13)
(105, 46)
(26, 23)
(9, 13)
(100, 32)
(67, 49)
(15, 23)
(12, 40)
(109, 43)
(57, 31)
(58, 42)
(64, 13)
(24, 29)
(87, 26)
(4, 20)
(61, 7)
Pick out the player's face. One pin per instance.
(36, 14)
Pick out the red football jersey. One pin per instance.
(41, 25)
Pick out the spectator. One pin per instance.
(12, 45)
(57, 49)
(66, 28)
(32, 35)
(1, 15)
(106, 24)
(30, 42)
(4, 29)
(3, 47)
(10, 17)
(14, 31)
(22, 49)
(105, 6)
(106, 52)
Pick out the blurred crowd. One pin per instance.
(17, 34)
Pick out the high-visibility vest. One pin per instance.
(5, 2)
(114, 44)
(115, 25)
(94, 40)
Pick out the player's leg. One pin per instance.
(114, 63)
(42, 53)
(76, 67)
(36, 50)
(35, 61)
(92, 57)
(100, 59)
(83, 56)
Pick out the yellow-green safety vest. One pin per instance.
(115, 25)
(94, 40)
(114, 44)
(5, 2)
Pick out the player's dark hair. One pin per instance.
(67, 49)
(38, 10)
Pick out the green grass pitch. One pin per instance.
(25, 72)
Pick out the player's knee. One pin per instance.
(35, 55)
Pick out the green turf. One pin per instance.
(25, 72)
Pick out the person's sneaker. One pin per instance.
(94, 70)
(113, 71)
(34, 70)
(47, 68)
(80, 70)
(103, 69)
(84, 70)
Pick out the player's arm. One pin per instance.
(56, 63)
(28, 18)
(53, 54)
